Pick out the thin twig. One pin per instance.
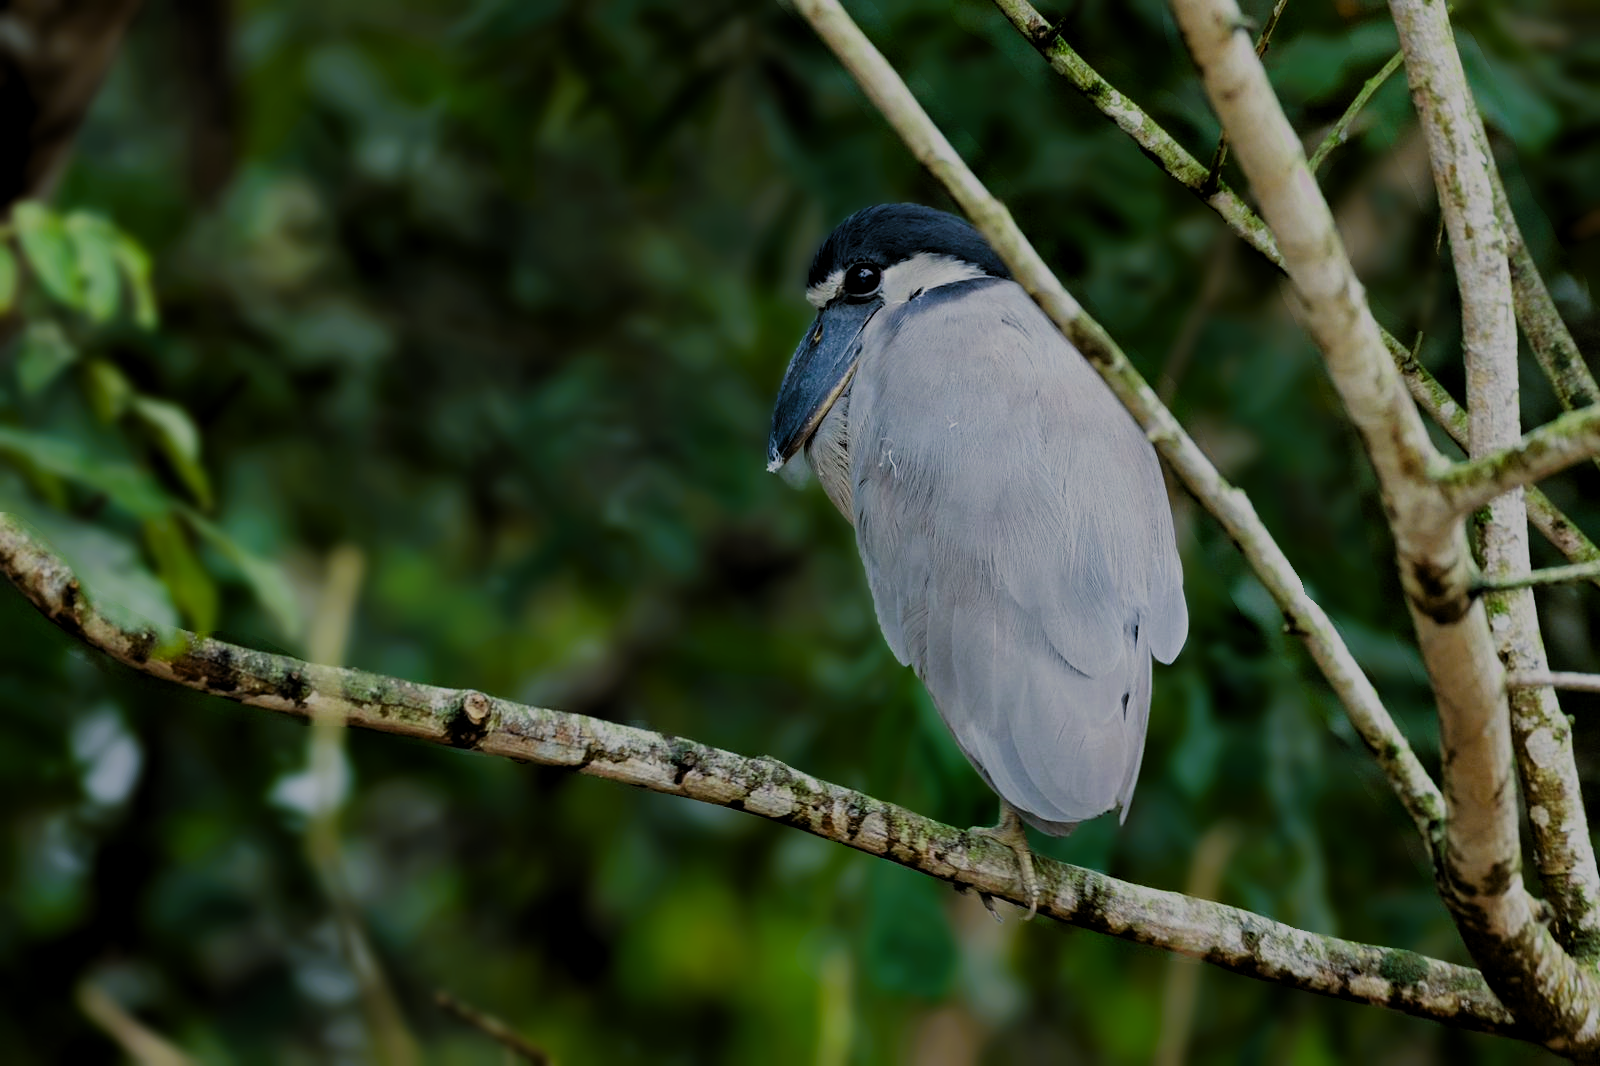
(492, 1027)
(138, 1041)
(1434, 398)
(1573, 682)
(1341, 129)
(1550, 449)
(1231, 507)
(1148, 134)
(1554, 575)
(1226, 937)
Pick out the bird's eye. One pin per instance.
(862, 279)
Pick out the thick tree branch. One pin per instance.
(1226, 937)
(1183, 168)
(1231, 507)
(1465, 179)
(1220, 157)
(1479, 875)
(1431, 543)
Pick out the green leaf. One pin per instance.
(8, 279)
(109, 391)
(94, 242)
(127, 486)
(192, 589)
(266, 580)
(109, 567)
(135, 262)
(49, 252)
(46, 352)
(179, 441)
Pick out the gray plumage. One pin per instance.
(1015, 530)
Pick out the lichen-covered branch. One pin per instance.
(1434, 398)
(1435, 570)
(1183, 168)
(1539, 734)
(1547, 333)
(1227, 937)
(1479, 872)
(1230, 506)
(1550, 449)
(1156, 142)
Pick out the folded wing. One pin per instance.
(1018, 543)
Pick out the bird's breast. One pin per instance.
(828, 452)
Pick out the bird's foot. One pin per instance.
(1013, 835)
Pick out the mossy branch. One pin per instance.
(1227, 937)
(1554, 446)
(1539, 318)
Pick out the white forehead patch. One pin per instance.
(822, 293)
(901, 282)
(922, 272)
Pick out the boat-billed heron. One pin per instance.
(1010, 513)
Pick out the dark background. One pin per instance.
(499, 295)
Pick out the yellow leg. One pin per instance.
(1014, 835)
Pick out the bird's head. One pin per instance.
(876, 258)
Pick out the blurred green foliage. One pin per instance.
(500, 297)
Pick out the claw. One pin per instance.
(1013, 835)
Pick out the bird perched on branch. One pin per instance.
(1010, 513)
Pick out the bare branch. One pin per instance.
(138, 1041)
(1231, 507)
(1434, 398)
(1572, 682)
(1227, 937)
(1550, 449)
(1539, 733)
(1554, 575)
(492, 1027)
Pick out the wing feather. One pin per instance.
(1018, 543)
